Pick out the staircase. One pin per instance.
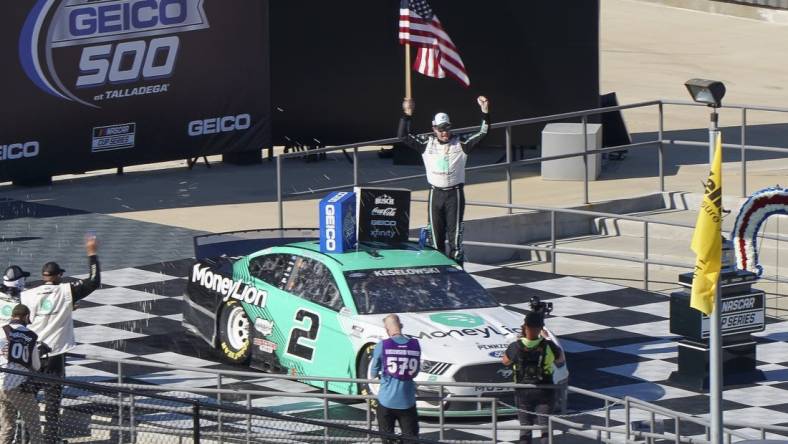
(667, 244)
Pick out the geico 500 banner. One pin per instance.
(88, 84)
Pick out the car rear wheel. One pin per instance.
(363, 372)
(234, 328)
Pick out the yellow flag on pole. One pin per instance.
(707, 239)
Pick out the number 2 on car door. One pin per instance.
(297, 334)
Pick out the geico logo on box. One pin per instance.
(19, 150)
(220, 125)
(112, 17)
(331, 228)
(227, 287)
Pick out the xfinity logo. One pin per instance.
(217, 125)
(122, 41)
(331, 228)
(16, 151)
(228, 287)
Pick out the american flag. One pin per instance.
(437, 56)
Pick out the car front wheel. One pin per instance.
(234, 328)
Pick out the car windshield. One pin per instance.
(399, 290)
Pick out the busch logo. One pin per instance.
(390, 211)
(16, 151)
(227, 287)
(146, 49)
(384, 199)
(217, 125)
(331, 228)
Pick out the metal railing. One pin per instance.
(584, 115)
(660, 142)
(231, 411)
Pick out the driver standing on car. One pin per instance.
(51, 306)
(397, 360)
(533, 357)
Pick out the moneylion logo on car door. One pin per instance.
(89, 51)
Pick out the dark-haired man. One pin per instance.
(51, 307)
(533, 357)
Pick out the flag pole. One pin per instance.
(715, 333)
(408, 85)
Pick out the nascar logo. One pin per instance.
(148, 50)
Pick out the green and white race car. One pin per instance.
(272, 300)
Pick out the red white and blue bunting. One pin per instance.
(753, 213)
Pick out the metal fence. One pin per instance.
(123, 412)
(660, 142)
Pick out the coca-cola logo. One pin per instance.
(390, 212)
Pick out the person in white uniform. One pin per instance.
(13, 285)
(444, 155)
(19, 352)
(51, 307)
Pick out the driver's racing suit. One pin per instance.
(445, 167)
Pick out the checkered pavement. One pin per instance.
(617, 342)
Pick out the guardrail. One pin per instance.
(227, 412)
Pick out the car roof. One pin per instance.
(364, 259)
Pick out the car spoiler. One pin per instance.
(240, 243)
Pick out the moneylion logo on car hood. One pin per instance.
(457, 320)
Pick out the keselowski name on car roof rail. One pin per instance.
(227, 287)
(406, 271)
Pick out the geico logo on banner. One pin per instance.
(217, 125)
(19, 150)
(146, 47)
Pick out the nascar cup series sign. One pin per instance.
(117, 82)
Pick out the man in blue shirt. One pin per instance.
(397, 360)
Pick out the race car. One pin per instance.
(272, 300)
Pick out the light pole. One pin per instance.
(711, 93)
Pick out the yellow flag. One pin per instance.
(707, 239)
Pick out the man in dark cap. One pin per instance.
(532, 357)
(51, 306)
(13, 286)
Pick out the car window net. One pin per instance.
(399, 290)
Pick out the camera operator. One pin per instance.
(533, 357)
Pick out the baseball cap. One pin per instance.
(51, 269)
(15, 277)
(534, 319)
(441, 121)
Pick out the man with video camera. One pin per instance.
(532, 357)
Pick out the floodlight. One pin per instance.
(705, 91)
